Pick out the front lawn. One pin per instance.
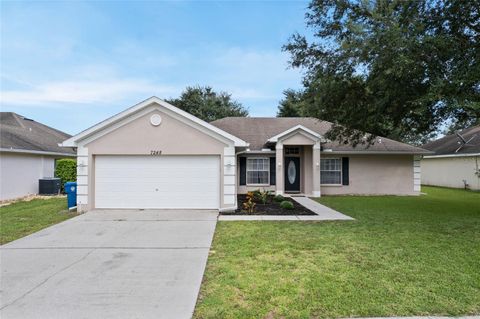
(25, 217)
(402, 256)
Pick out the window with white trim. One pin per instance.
(258, 171)
(330, 171)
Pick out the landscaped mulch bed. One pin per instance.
(270, 208)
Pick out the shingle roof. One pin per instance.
(453, 144)
(20, 133)
(257, 130)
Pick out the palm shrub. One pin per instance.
(262, 196)
(66, 170)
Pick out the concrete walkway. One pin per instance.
(323, 213)
(108, 264)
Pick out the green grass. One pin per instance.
(25, 217)
(402, 256)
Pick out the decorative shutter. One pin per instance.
(272, 171)
(345, 166)
(243, 171)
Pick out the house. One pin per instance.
(28, 151)
(456, 162)
(154, 155)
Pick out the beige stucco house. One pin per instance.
(28, 151)
(455, 162)
(154, 155)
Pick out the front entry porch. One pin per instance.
(298, 169)
(288, 165)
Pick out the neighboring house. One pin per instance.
(456, 162)
(154, 155)
(28, 151)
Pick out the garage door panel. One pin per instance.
(157, 182)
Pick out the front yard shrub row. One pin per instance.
(262, 198)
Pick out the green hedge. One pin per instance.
(287, 205)
(66, 170)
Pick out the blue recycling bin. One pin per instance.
(71, 190)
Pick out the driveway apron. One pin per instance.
(108, 264)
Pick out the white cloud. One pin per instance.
(82, 91)
(254, 77)
(256, 65)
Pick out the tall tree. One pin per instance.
(205, 103)
(292, 105)
(397, 68)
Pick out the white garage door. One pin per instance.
(157, 182)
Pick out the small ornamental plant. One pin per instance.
(249, 205)
(286, 204)
(262, 196)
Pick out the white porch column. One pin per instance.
(280, 186)
(316, 169)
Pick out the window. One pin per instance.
(292, 150)
(330, 171)
(258, 171)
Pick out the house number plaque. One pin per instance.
(155, 152)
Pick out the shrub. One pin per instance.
(66, 170)
(286, 204)
(249, 204)
(262, 196)
(279, 198)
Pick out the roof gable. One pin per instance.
(131, 113)
(293, 130)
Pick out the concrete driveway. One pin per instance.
(108, 264)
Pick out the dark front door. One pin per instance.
(292, 174)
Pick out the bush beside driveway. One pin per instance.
(402, 256)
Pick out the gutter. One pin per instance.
(327, 151)
(14, 150)
(452, 155)
(375, 152)
(255, 152)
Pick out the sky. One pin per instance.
(71, 64)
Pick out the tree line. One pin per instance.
(403, 69)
